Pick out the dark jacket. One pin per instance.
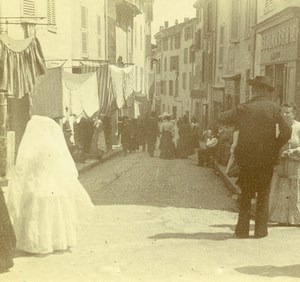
(256, 121)
(152, 130)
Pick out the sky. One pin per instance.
(170, 10)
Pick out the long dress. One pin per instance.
(284, 204)
(167, 146)
(45, 198)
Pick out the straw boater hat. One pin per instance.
(261, 81)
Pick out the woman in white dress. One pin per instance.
(284, 205)
(45, 198)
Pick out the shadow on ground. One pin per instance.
(272, 271)
(220, 236)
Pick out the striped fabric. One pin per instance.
(105, 91)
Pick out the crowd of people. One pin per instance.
(174, 139)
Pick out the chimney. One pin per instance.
(166, 24)
(161, 28)
(186, 19)
(176, 22)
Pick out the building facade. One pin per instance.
(277, 48)
(174, 67)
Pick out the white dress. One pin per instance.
(45, 198)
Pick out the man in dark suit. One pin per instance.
(256, 153)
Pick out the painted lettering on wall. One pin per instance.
(283, 36)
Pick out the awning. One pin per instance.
(236, 76)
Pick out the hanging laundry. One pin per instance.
(122, 82)
(105, 90)
(82, 92)
(21, 62)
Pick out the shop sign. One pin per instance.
(280, 42)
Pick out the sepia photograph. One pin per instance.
(149, 140)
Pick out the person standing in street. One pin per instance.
(256, 152)
(152, 132)
(126, 134)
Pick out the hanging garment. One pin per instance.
(21, 62)
(122, 82)
(81, 93)
(47, 98)
(105, 90)
(117, 83)
(46, 201)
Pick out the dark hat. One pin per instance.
(261, 81)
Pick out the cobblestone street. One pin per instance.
(163, 220)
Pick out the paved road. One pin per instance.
(160, 220)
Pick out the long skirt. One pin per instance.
(7, 237)
(167, 147)
(284, 204)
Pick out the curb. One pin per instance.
(98, 162)
(228, 181)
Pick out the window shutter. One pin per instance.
(84, 42)
(98, 25)
(221, 46)
(83, 17)
(235, 22)
(28, 8)
(51, 12)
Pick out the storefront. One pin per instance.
(278, 53)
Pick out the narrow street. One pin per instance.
(163, 220)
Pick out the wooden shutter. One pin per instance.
(83, 17)
(28, 8)
(51, 12)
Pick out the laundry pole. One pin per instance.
(3, 134)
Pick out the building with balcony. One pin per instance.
(174, 67)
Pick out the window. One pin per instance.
(185, 57)
(84, 31)
(84, 15)
(51, 15)
(165, 44)
(192, 54)
(28, 8)
(184, 80)
(142, 78)
(177, 41)
(171, 42)
(166, 66)
(141, 38)
(158, 67)
(136, 77)
(174, 112)
(198, 39)
(221, 46)
(176, 87)
(99, 36)
(235, 21)
(209, 17)
(188, 33)
(135, 35)
(174, 63)
(163, 87)
(190, 81)
(250, 17)
(171, 87)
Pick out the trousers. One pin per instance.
(254, 180)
